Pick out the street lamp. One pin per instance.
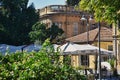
(87, 22)
(87, 19)
(99, 53)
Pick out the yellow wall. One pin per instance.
(92, 61)
(103, 45)
(75, 60)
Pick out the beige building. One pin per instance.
(66, 17)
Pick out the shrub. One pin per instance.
(42, 65)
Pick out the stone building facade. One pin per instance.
(66, 17)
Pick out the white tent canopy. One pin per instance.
(12, 49)
(71, 48)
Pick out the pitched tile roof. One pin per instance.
(105, 35)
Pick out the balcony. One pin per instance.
(52, 9)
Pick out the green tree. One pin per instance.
(104, 10)
(54, 31)
(4, 35)
(72, 2)
(17, 19)
(41, 33)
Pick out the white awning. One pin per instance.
(71, 48)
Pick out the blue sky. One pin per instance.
(42, 3)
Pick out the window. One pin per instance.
(59, 24)
(85, 60)
(110, 47)
(75, 30)
(56, 23)
(50, 24)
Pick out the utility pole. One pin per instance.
(99, 54)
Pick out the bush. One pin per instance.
(42, 65)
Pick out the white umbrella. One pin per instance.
(106, 65)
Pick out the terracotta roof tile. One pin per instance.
(106, 35)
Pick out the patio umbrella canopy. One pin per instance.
(71, 48)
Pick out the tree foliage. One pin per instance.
(73, 2)
(104, 10)
(54, 31)
(17, 19)
(42, 65)
(40, 32)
